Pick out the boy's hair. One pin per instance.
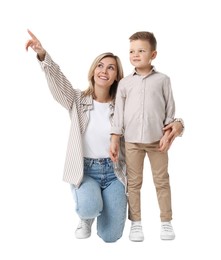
(145, 36)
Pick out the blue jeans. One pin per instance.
(103, 196)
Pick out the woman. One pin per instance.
(98, 186)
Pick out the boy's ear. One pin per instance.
(154, 54)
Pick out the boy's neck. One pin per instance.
(144, 71)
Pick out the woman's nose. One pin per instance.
(104, 70)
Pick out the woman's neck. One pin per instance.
(102, 96)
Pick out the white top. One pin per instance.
(96, 139)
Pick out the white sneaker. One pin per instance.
(136, 233)
(167, 232)
(84, 228)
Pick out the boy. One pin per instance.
(144, 106)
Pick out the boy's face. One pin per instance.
(141, 54)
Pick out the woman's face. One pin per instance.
(106, 72)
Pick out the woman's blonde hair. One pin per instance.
(113, 88)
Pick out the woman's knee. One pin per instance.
(86, 212)
(109, 238)
(88, 199)
(111, 231)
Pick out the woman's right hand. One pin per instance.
(35, 44)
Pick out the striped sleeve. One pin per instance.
(63, 92)
(60, 87)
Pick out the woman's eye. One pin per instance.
(111, 68)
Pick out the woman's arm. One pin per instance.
(59, 86)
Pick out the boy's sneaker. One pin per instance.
(136, 233)
(84, 228)
(167, 232)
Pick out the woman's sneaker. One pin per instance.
(84, 228)
(167, 232)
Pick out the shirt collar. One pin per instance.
(87, 102)
(153, 69)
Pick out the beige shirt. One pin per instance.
(144, 105)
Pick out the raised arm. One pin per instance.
(59, 85)
(36, 46)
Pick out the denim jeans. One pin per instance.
(103, 196)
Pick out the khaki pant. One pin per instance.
(135, 154)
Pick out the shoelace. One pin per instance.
(86, 224)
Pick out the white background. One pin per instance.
(37, 217)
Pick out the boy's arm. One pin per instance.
(114, 147)
(118, 118)
(175, 126)
(117, 124)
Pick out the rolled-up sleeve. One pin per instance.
(118, 119)
(170, 103)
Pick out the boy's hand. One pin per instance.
(114, 148)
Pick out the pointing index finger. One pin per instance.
(32, 35)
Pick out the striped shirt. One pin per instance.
(79, 107)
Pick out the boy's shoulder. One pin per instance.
(161, 77)
(161, 74)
